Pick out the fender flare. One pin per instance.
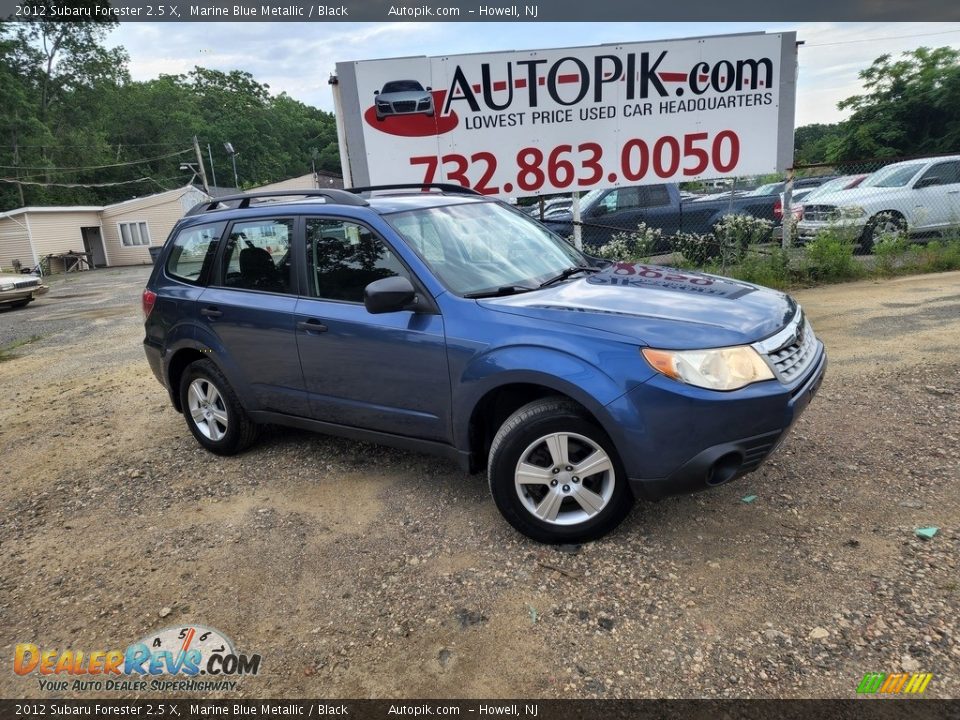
(571, 376)
(200, 339)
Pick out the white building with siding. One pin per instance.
(119, 234)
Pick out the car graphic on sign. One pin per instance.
(403, 97)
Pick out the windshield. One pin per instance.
(893, 176)
(402, 86)
(829, 187)
(480, 247)
(768, 189)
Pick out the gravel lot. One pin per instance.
(359, 571)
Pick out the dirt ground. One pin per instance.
(359, 571)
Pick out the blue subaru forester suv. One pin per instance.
(438, 320)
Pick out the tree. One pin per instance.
(910, 108)
(70, 114)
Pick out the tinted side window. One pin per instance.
(948, 172)
(654, 196)
(257, 255)
(193, 250)
(628, 197)
(344, 257)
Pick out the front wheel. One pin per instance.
(213, 411)
(555, 475)
(880, 226)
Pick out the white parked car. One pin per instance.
(918, 197)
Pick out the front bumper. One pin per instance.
(808, 230)
(691, 440)
(22, 293)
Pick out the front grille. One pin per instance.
(820, 213)
(405, 106)
(791, 361)
(27, 283)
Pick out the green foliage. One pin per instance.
(770, 268)
(910, 107)
(696, 249)
(888, 251)
(830, 257)
(935, 256)
(735, 233)
(812, 143)
(69, 102)
(632, 246)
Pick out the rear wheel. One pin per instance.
(879, 226)
(555, 475)
(213, 411)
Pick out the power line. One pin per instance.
(15, 181)
(107, 144)
(94, 167)
(879, 39)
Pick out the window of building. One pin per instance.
(134, 234)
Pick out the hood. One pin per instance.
(659, 306)
(857, 195)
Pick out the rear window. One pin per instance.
(193, 250)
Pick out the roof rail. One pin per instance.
(444, 187)
(340, 197)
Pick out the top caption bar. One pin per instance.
(546, 11)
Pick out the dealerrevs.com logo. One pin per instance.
(172, 659)
(894, 683)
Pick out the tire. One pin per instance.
(880, 224)
(216, 419)
(534, 434)
(21, 303)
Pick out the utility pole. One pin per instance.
(203, 171)
(16, 161)
(213, 168)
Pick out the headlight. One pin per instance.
(852, 212)
(7, 286)
(728, 368)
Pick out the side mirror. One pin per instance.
(387, 295)
(927, 182)
(598, 210)
(376, 92)
(429, 89)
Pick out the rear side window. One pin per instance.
(193, 250)
(257, 256)
(654, 196)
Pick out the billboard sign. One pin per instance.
(546, 121)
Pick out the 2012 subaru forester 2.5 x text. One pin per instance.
(438, 320)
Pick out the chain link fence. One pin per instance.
(858, 204)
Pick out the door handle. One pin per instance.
(311, 325)
(211, 312)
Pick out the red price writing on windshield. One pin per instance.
(585, 166)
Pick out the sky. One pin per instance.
(298, 58)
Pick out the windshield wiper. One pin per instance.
(498, 292)
(569, 272)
